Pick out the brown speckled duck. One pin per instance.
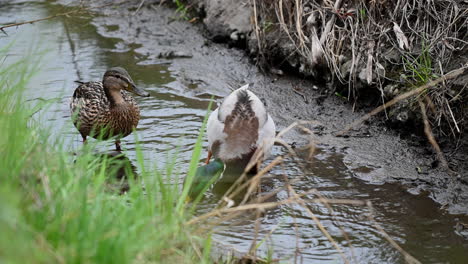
(105, 109)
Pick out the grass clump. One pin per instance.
(419, 69)
(182, 9)
(57, 208)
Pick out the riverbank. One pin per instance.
(302, 39)
(369, 52)
(395, 153)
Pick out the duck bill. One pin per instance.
(139, 91)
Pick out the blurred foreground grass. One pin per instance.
(57, 208)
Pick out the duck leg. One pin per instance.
(117, 145)
(209, 157)
(84, 139)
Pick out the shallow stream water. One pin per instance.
(75, 49)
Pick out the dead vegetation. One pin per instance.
(378, 47)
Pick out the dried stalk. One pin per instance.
(76, 11)
(408, 258)
(431, 138)
(318, 223)
(451, 75)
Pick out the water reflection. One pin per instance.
(119, 170)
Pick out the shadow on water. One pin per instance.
(117, 168)
(170, 123)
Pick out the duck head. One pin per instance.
(117, 78)
(205, 176)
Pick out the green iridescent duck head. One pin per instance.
(118, 78)
(205, 176)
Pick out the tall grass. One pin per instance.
(57, 208)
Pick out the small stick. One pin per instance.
(253, 245)
(409, 259)
(451, 75)
(266, 205)
(332, 214)
(322, 228)
(431, 138)
(257, 31)
(330, 23)
(138, 9)
(451, 114)
(81, 9)
(255, 180)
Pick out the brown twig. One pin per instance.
(318, 223)
(451, 75)
(330, 23)
(430, 136)
(409, 259)
(332, 214)
(253, 183)
(139, 6)
(253, 245)
(76, 11)
(267, 205)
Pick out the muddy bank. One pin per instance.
(369, 67)
(253, 27)
(373, 152)
(367, 50)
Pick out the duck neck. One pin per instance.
(113, 93)
(115, 98)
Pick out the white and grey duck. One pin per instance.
(106, 109)
(238, 128)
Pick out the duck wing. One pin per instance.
(89, 90)
(232, 129)
(88, 103)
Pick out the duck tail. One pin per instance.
(243, 108)
(241, 126)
